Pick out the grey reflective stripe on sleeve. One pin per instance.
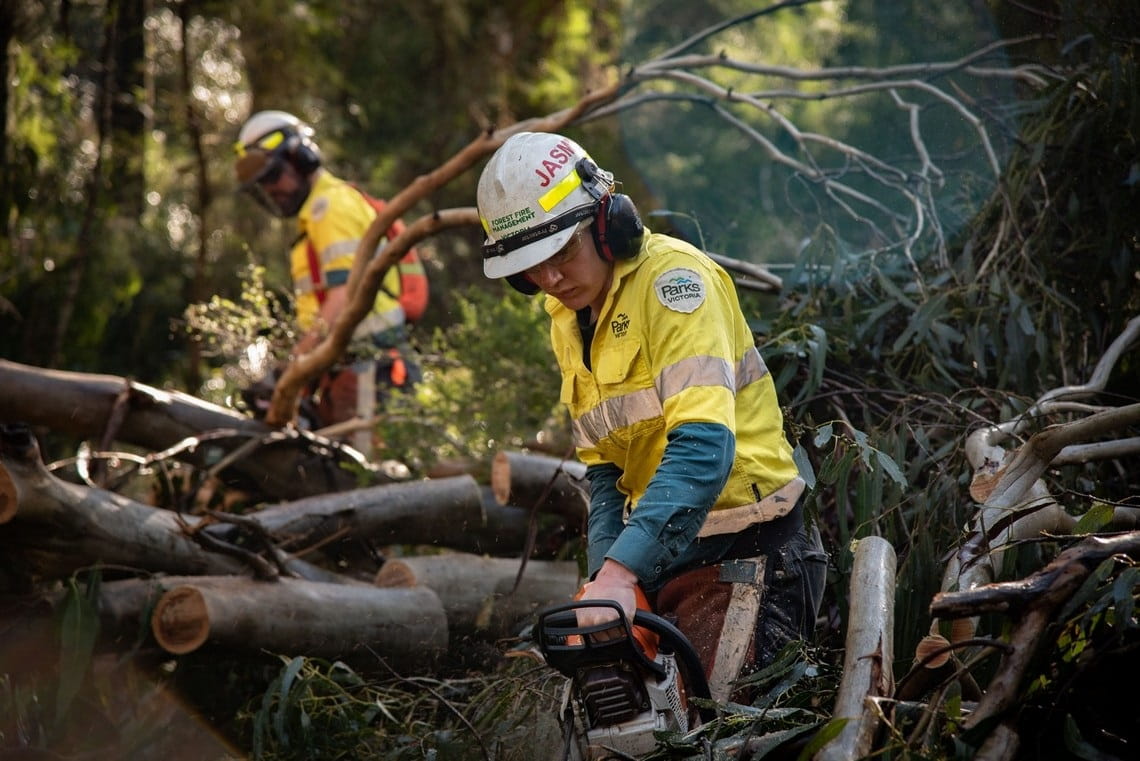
(694, 371)
(334, 251)
(750, 368)
(645, 404)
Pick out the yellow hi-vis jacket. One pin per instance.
(671, 346)
(333, 219)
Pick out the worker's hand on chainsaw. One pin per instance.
(612, 582)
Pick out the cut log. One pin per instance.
(479, 593)
(295, 617)
(286, 466)
(415, 512)
(507, 526)
(868, 660)
(552, 484)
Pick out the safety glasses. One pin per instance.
(561, 257)
(267, 143)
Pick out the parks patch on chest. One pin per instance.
(680, 289)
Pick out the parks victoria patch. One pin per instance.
(680, 289)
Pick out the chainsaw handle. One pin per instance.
(557, 624)
(695, 680)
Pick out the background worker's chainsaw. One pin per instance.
(624, 688)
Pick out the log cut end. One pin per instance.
(8, 497)
(181, 621)
(501, 477)
(962, 629)
(395, 573)
(934, 647)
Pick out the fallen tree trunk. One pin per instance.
(51, 528)
(57, 527)
(282, 464)
(405, 513)
(550, 484)
(1014, 502)
(54, 527)
(295, 617)
(479, 593)
(446, 512)
(868, 660)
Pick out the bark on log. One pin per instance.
(869, 656)
(416, 512)
(478, 593)
(506, 528)
(81, 404)
(554, 484)
(295, 617)
(59, 527)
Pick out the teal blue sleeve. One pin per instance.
(607, 507)
(693, 471)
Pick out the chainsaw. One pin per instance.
(623, 689)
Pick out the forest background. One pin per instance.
(121, 214)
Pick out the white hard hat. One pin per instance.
(265, 122)
(534, 192)
(269, 137)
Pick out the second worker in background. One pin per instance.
(279, 163)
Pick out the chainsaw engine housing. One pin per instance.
(617, 698)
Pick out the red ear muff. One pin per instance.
(617, 228)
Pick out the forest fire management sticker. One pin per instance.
(680, 289)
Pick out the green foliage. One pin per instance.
(490, 383)
(316, 709)
(245, 338)
(78, 630)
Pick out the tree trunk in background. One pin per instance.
(196, 287)
(126, 112)
(7, 199)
